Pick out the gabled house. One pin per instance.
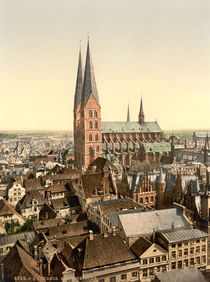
(31, 204)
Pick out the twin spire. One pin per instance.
(86, 84)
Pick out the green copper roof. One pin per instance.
(157, 147)
(130, 127)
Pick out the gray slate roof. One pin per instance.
(180, 235)
(129, 127)
(13, 238)
(114, 216)
(137, 224)
(79, 83)
(89, 84)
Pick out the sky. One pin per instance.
(155, 49)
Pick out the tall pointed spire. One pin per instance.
(128, 114)
(79, 83)
(206, 142)
(141, 114)
(89, 85)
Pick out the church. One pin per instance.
(119, 142)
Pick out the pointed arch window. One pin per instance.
(90, 114)
(96, 137)
(90, 137)
(90, 124)
(96, 124)
(95, 114)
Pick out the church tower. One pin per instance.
(205, 151)
(89, 136)
(141, 114)
(77, 113)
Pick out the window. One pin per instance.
(146, 200)
(157, 259)
(151, 271)
(158, 268)
(144, 261)
(198, 241)
(90, 137)
(123, 277)
(192, 261)
(15, 194)
(101, 280)
(191, 251)
(179, 264)
(113, 279)
(96, 124)
(203, 248)
(185, 252)
(96, 137)
(90, 124)
(151, 260)
(95, 114)
(90, 114)
(144, 272)
(97, 149)
(197, 250)
(203, 239)
(134, 274)
(173, 246)
(11, 199)
(198, 261)
(164, 268)
(186, 262)
(173, 265)
(163, 258)
(152, 199)
(173, 254)
(179, 244)
(180, 253)
(141, 200)
(186, 243)
(203, 259)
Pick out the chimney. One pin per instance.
(39, 252)
(105, 234)
(153, 235)
(91, 237)
(35, 253)
(40, 267)
(48, 268)
(2, 271)
(114, 231)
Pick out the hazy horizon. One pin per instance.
(159, 50)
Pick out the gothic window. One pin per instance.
(96, 137)
(146, 200)
(90, 137)
(141, 200)
(90, 114)
(90, 124)
(152, 199)
(96, 124)
(96, 114)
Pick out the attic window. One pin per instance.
(154, 250)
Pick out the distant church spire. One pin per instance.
(79, 83)
(141, 114)
(206, 142)
(128, 114)
(89, 85)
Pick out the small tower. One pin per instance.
(128, 114)
(160, 188)
(141, 114)
(205, 151)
